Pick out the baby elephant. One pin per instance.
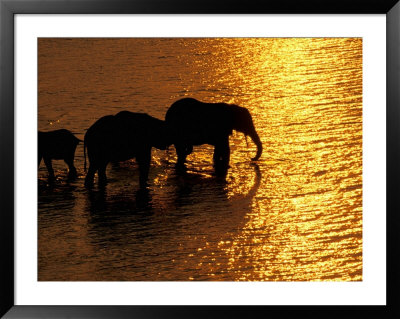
(117, 138)
(59, 144)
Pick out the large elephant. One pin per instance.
(126, 135)
(195, 123)
(58, 144)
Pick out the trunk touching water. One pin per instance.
(256, 139)
(243, 122)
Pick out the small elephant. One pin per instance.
(116, 138)
(195, 123)
(59, 144)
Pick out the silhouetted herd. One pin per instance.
(126, 135)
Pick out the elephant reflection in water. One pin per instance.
(116, 138)
(119, 203)
(194, 123)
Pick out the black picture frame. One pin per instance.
(8, 8)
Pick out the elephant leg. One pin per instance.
(143, 160)
(47, 161)
(102, 175)
(225, 154)
(189, 149)
(90, 176)
(181, 151)
(216, 156)
(221, 155)
(72, 174)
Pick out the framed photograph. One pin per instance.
(163, 159)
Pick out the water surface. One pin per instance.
(295, 215)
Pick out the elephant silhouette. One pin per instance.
(194, 123)
(59, 145)
(116, 138)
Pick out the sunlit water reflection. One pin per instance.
(294, 215)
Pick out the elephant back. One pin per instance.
(143, 129)
(198, 121)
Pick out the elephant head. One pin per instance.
(161, 135)
(243, 122)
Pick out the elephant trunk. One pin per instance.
(243, 122)
(256, 139)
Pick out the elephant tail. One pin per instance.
(84, 154)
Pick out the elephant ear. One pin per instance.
(241, 119)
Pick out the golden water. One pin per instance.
(295, 215)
